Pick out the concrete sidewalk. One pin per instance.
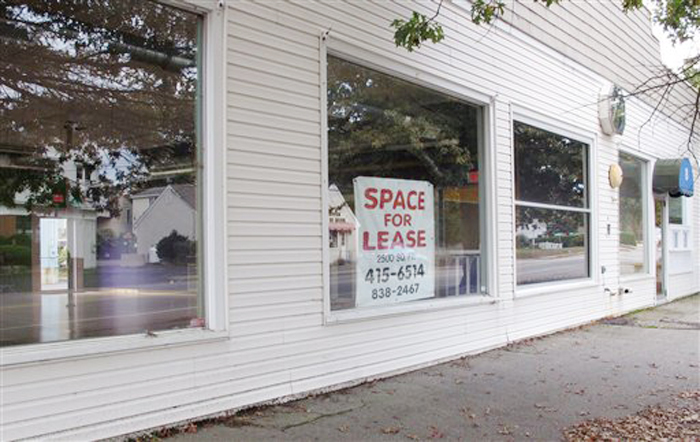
(527, 391)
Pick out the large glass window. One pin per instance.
(99, 206)
(675, 210)
(552, 209)
(633, 196)
(404, 211)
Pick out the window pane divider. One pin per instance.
(552, 206)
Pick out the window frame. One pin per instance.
(565, 129)
(684, 212)
(647, 217)
(683, 231)
(398, 66)
(212, 217)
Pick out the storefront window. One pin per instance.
(632, 215)
(552, 211)
(675, 210)
(404, 197)
(99, 206)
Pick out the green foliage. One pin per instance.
(15, 255)
(486, 11)
(175, 248)
(522, 241)
(680, 19)
(411, 33)
(19, 239)
(63, 255)
(386, 126)
(628, 238)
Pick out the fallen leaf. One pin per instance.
(391, 430)
(435, 433)
(504, 431)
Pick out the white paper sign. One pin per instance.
(396, 240)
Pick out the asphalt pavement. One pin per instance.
(530, 390)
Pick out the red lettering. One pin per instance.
(398, 241)
(369, 195)
(385, 196)
(382, 240)
(399, 201)
(421, 238)
(392, 240)
(365, 242)
(411, 238)
(421, 201)
(411, 206)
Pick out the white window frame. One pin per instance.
(396, 64)
(684, 233)
(213, 216)
(536, 119)
(649, 221)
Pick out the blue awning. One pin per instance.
(674, 177)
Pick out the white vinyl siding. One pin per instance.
(279, 345)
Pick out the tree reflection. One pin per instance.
(382, 126)
(82, 86)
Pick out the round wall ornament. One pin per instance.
(615, 176)
(611, 110)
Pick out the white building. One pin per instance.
(285, 86)
(159, 211)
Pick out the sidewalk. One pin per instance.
(527, 391)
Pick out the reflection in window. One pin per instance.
(551, 245)
(550, 169)
(632, 215)
(552, 212)
(98, 182)
(411, 144)
(675, 210)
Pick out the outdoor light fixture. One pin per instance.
(615, 175)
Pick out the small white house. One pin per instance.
(161, 210)
(342, 226)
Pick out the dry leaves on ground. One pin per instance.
(678, 421)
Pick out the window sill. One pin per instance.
(548, 288)
(86, 348)
(361, 314)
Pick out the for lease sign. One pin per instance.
(396, 240)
